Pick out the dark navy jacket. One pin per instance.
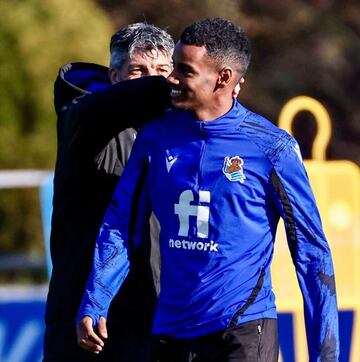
(94, 143)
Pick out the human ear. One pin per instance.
(225, 77)
(114, 76)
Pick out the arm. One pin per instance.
(96, 118)
(310, 253)
(111, 256)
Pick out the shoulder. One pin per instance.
(75, 80)
(269, 138)
(256, 124)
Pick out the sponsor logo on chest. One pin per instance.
(185, 210)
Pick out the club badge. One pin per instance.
(233, 169)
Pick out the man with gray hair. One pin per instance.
(140, 50)
(99, 110)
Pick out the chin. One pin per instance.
(179, 104)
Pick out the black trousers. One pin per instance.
(255, 341)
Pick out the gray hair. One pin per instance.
(139, 37)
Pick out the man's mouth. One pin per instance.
(176, 92)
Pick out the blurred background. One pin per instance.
(299, 48)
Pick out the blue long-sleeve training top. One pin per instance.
(218, 189)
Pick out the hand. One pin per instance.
(87, 338)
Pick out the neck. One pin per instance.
(214, 110)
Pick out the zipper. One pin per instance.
(259, 330)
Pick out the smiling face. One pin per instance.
(198, 83)
(194, 77)
(142, 64)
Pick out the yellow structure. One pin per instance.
(336, 185)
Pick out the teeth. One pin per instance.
(176, 92)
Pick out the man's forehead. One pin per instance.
(185, 53)
(150, 54)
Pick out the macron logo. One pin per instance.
(170, 160)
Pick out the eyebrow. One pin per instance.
(185, 66)
(139, 65)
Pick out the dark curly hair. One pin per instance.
(223, 40)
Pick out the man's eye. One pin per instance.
(186, 71)
(135, 71)
(163, 70)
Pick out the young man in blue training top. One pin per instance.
(218, 177)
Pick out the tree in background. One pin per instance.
(299, 48)
(36, 38)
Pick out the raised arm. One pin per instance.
(96, 118)
(310, 253)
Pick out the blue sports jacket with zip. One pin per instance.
(218, 189)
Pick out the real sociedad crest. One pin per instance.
(233, 169)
